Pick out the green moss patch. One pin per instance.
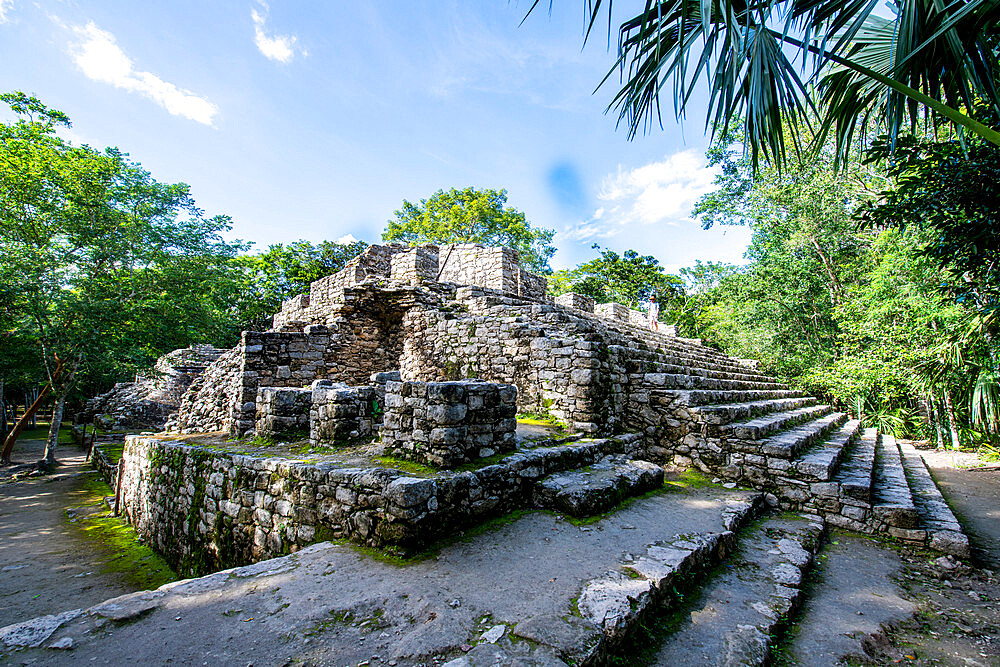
(405, 465)
(126, 556)
(692, 478)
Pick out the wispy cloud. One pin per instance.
(273, 46)
(661, 192)
(5, 6)
(346, 239)
(101, 59)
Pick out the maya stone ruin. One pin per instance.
(402, 376)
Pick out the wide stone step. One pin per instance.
(683, 381)
(688, 361)
(761, 427)
(821, 462)
(726, 413)
(598, 487)
(856, 473)
(705, 397)
(697, 369)
(944, 532)
(893, 508)
(789, 444)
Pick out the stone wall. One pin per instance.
(446, 424)
(212, 399)
(151, 398)
(459, 264)
(206, 510)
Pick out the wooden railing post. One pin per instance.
(118, 485)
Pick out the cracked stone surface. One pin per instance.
(331, 604)
(729, 619)
(851, 593)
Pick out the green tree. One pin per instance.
(105, 265)
(854, 313)
(282, 271)
(948, 188)
(778, 62)
(472, 216)
(629, 279)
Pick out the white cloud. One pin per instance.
(275, 47)
(5, 6)
(101, 59)
(657, 193)
(347, 239)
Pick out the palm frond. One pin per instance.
(755, 55)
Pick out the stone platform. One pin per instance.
(509, 594)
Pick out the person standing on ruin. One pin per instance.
(654, 313)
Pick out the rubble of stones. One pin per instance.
(150, 399)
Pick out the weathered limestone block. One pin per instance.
(449, 423)
(341, 414)
(415, 265)
(282, 412)
(574, 300)
(638, 317)
(612, 311)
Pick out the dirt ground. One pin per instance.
(973, 491)
(54, 555)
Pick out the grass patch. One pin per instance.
(405, 465)
(41, 432)
(112, 450)
(542, 419)
(126, 555)
(692, 478)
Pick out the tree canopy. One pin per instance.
(103, 265)
(862, 314)
(472, 216)
(629, 279)
(282, 271)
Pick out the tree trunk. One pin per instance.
(936, 422)
(57, 413)
(956, 442)
(53, 441)
(8, 444)
(3, 415)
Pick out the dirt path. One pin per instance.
(852, 592)
(974, 495)
(46, 565)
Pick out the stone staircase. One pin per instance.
(811, 457)
(749, 428)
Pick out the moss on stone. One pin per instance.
(405, 465)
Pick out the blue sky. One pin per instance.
(314, 120)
